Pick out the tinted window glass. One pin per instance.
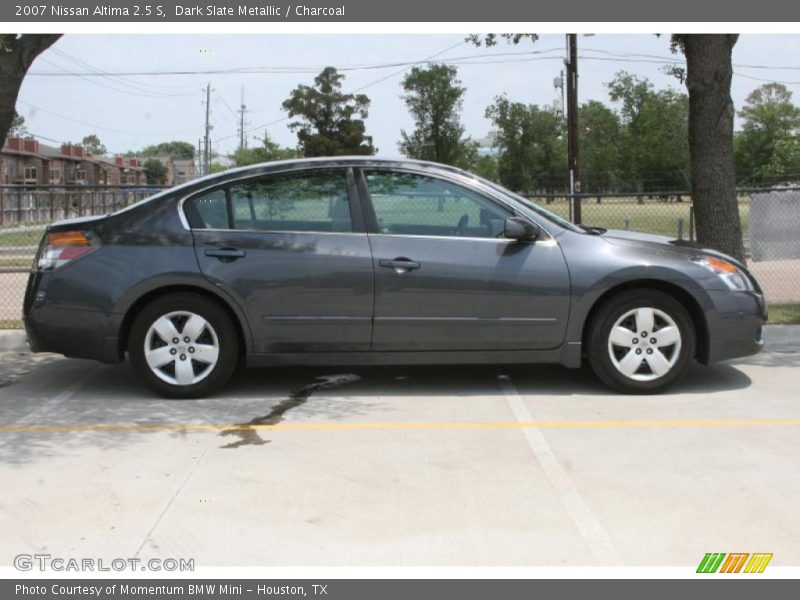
(208, 211)
(409, 204)
(310, 201)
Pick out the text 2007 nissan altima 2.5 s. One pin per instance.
(366, 261)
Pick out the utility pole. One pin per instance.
(242, 135)
(207, 148)
(200, 156)
(572, 127)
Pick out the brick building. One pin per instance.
(26, 161)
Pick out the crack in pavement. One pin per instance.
(248, 436)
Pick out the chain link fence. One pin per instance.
(770, 224)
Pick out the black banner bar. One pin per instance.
(710, 586)
(67, 11)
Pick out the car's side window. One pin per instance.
(314, 201)
(209, 211)
(413, 204)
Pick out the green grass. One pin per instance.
(784, 314)
(650, 217)
(13, 238)
(16, 261)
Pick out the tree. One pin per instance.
(531, 144)
(434, 98)
(18, 128)
(93, 144)
(155, 171)
(601, 149)
(767, 148)
(654, 146)
(486, 166)
(175, 149)
(709, 71)
(268, 151)
(330, 123)
(17, 53)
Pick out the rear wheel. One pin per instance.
(184, 345)
(641, 341)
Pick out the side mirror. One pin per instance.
(520, 229)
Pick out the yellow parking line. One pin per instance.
(356, 426)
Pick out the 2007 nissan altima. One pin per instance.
(368, 261)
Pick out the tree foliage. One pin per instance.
(328, 121)
(601, 144)
(93, 144)
(267, 151)
(175, 149)
(653, 142)
(155, 171)
(434, 98)
(18, 127)
(531, 145)
(767, 147)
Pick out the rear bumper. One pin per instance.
(75, 332)
(735, 325)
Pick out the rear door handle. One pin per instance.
(400, 265)
(226, 254)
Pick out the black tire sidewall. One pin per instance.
(608, 314)
(217, 317)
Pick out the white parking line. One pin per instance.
(597, 538)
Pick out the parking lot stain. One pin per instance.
(247, 432)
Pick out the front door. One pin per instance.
(447, 279)
(291, 249)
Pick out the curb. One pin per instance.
(777, 338)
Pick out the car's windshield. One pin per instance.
(550, 216)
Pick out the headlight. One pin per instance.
(732, 275)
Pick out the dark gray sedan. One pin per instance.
(367, 261)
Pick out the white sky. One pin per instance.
(141, 110)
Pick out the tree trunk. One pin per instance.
(711, 112)
(17, 54)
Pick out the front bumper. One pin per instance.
(735, 324)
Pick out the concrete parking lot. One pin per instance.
(400, 466)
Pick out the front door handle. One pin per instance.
(400, 265)
(226, 254)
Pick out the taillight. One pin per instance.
(61, 247)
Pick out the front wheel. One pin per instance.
(641, 341)
(184, 346)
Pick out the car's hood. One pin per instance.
(662, 244)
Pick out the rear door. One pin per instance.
(292, 249)
(447, 279)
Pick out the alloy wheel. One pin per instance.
(181, 348)
(644, 344)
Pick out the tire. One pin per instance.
(174, 367)
(640, 341)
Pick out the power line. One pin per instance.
(293, 70)
(100, 127)
(135, 88)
